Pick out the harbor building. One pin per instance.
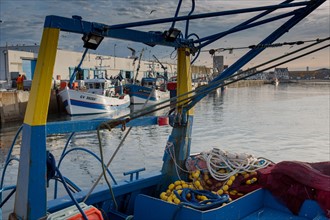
(22, 59)
(281, 73)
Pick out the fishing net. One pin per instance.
(293, 182)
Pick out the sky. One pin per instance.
(21, 22)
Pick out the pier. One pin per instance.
(13, 105)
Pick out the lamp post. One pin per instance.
(5, 56)
(114, 56)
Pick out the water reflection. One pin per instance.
(155, 110)
(288, 122)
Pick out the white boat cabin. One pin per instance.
(100, 87)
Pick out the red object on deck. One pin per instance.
(162, 120)
(91, 213)
(63, 84)
(293, 182)
(171, 86)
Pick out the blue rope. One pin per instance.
(87, 151)
(8, 197)
(63, 152)
(176, 13)
(70, 194)
(199, 49)
(51, 164)
(91, 153)
(187, 22)
(13, 143)
(214, 200)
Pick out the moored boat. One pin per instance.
(275, 82)
(149, 91)
(99, 97)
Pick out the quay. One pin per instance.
(13, 103)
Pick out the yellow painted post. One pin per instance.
(184, 81)
(31, 193)
(37, 108)
(181, 134)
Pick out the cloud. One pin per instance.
(22, 22)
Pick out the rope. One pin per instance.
(71, 196)
(108, 164)
(217, 159)
(8, 197)
(169, 146)
(103, 167)
(212, 200)
(109, 126)
(51, 171)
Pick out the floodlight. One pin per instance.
(172, 34)
(92, 41)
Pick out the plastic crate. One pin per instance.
(72, 213)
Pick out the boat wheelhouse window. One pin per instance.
(102, 85)
(90, 86)
(80, 75)
(128, 75)
(97, 85)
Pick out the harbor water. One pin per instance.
(287, 122)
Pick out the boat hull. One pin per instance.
(140, 94)
(82, 103)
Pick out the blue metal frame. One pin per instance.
(79, 26)
(298, 16)
(33, 151)
(25, 197)
(92, 125)
(206, 15)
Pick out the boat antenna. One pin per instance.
(163, 67)
(138, 67)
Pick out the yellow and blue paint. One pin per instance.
(31, 197)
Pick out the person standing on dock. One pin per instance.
(19, 82)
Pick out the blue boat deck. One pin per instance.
(143, 198)
(259, 204)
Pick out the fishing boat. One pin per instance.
(275, 82)
(151, 90)
(185, 186)
(99, 97)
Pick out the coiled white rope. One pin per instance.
(217, 159)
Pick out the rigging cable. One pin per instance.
(112, 157)
(292, 43)
(211, 85)
(103, 167)
(210, 89)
